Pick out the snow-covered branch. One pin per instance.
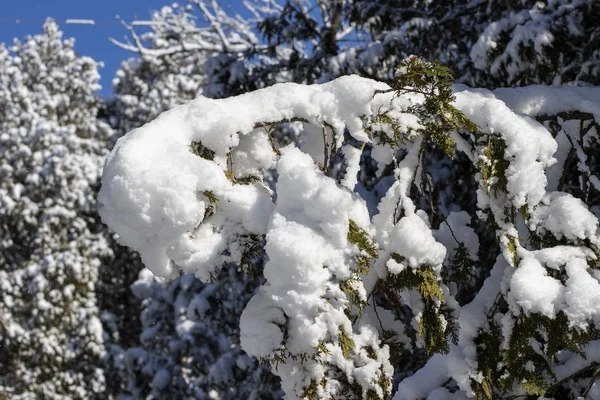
(170, 190)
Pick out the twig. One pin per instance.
(214, 23)
(377, 315)
(230, 164)
(271, 140)
(574, 375)
(427, 185)
(591, 383)
(333, 150)
(282, 121)
(566, 115)
(326, 154)
(451, 231)
(382, 91)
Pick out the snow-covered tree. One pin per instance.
(180, 57)
(52, 147)
(490, 43)
(189, 348)
(357, 275)
(485, 43)
(277, 41)
(146, 86)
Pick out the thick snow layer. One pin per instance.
(413, 239)
(534, 291)
(153, 185)
(538, 100)
(564, 216)
(307, 247)
(424, 381)
(582, 294)
(529, 146)
(192, 212)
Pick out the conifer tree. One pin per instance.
(357, 279)
(52, 147)
(490, 43)
(485, 43)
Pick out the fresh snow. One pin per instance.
(155, 196)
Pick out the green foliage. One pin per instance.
(210, 195)
(283, 355)
(522, 363)
(439, 118)
(361, 239)
(368, 251)
(351, 293)
(493, 165)
(346, 343)
(247, 180)
(544, 240)
(229, 175)
(210, 209)
(461, 268)
(253, 254)
(202, 151)
(438, 115)
(488, 358)
(353, 390)
(386, 130)
(311, 391)
(433, 325)
(511, 245)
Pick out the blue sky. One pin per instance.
(91, 40)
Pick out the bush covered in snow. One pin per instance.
(403, 221)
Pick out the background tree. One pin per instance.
(158, 79)
(52, 148)
(490, 43)
(306, 41)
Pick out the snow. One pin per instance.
(413, 239)
(51, 247)
(319, 220)
(186, 213)
(161, 379)
(254, 218)
(424, 381)
(565, 216)
(261, 339)
(582, 294)
(529, 153)
(534, 291)
(538, 100)
(455, 230)
(155, 205)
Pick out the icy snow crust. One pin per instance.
(183, 212)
